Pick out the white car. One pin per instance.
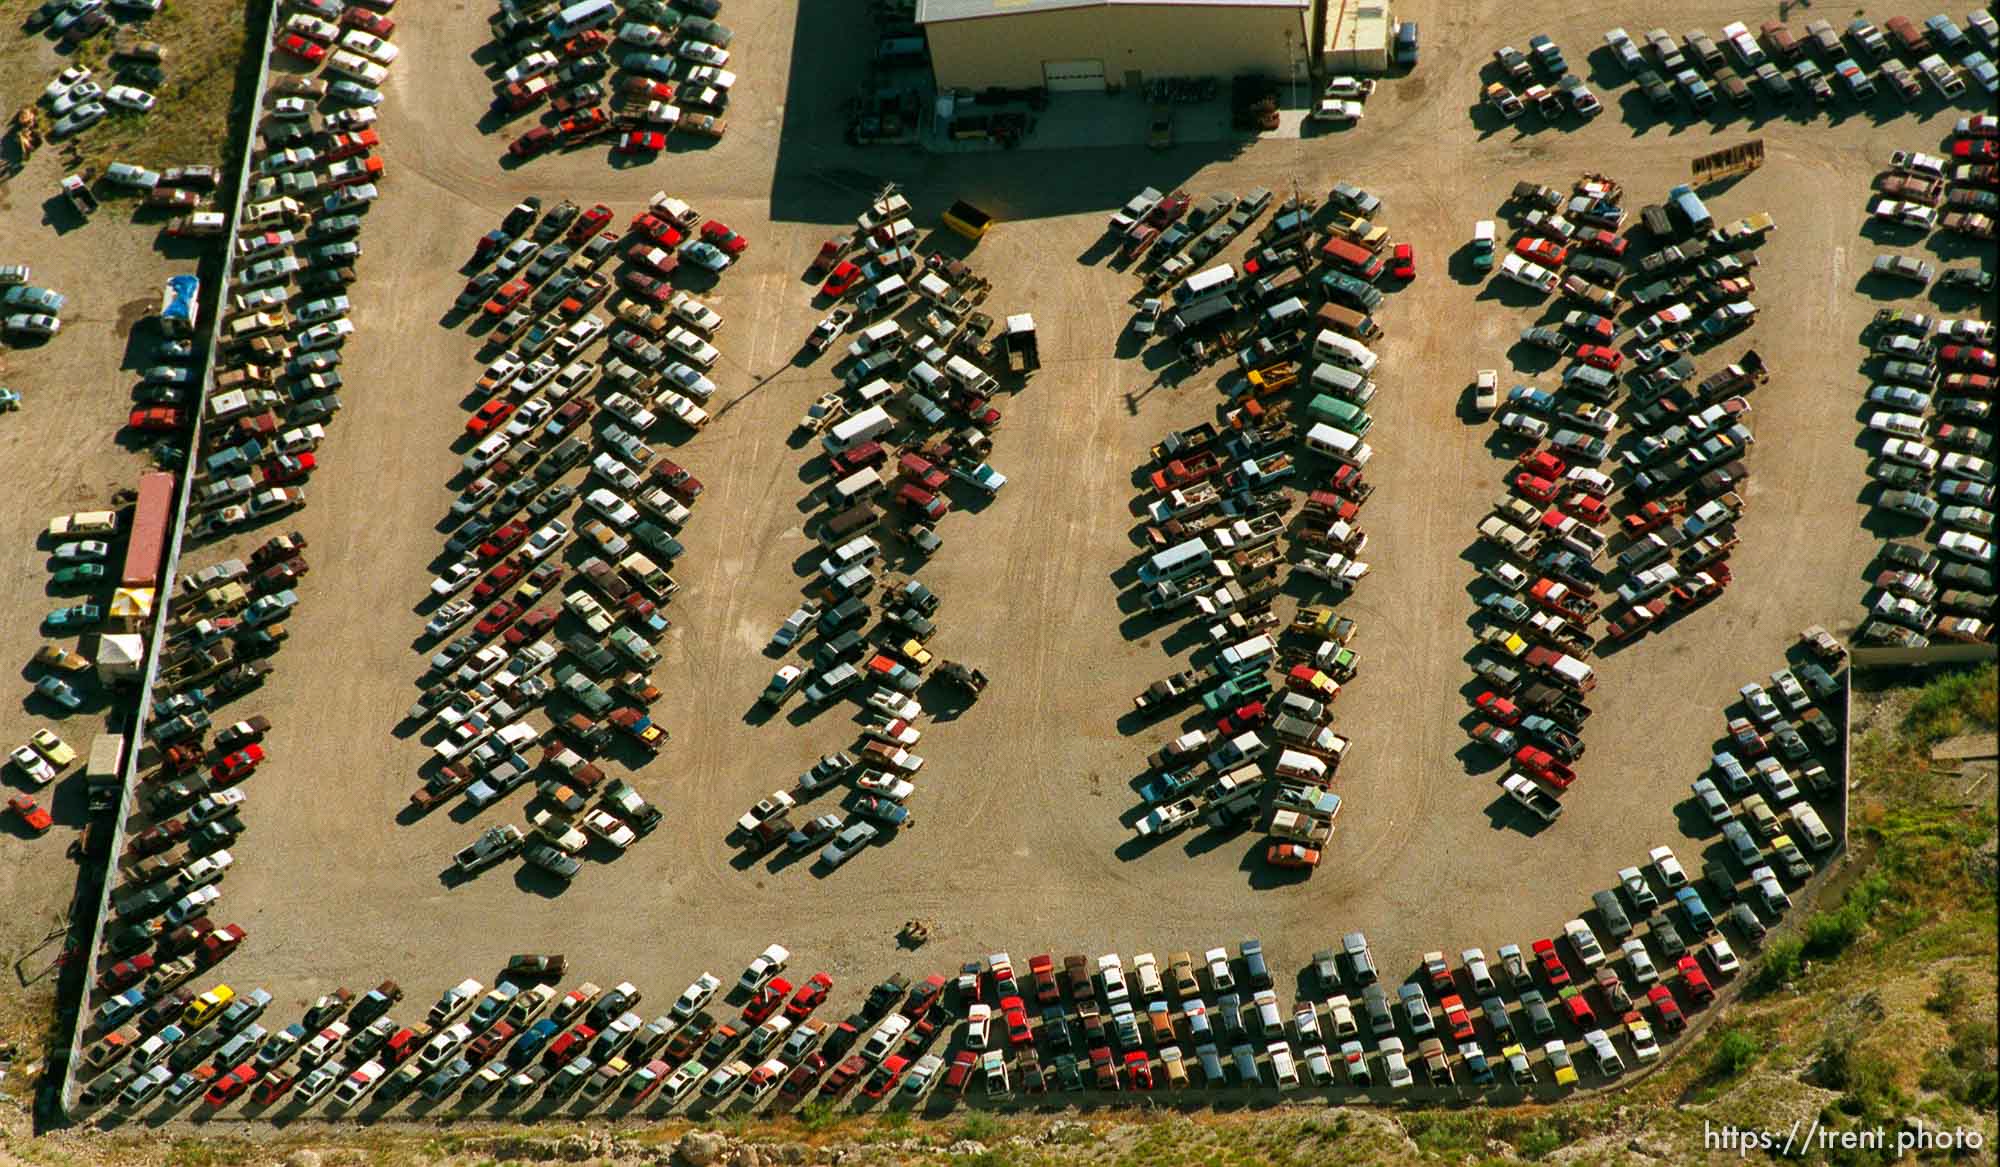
(33, 766)
(372, 47)
(695, 996)
(1965, 545)
(1902, 425)
(686, 379)
(702, 53)
(292, 108)
(1904, 214)
(1639, 1032)
(1639, 961)
(545, 541)
(609, 467)
(533, 65)
(696, 313)
(768, 964)
(607, 827)
(81, 94)
(129, 97)
(978, 1026)
(1966, 466)
(1527, 274)
(454, 579)
(616, 511)
(692, 346)
(887, 785)
(65, 81)
(1219, 977)
(331, 334)
(79, 119)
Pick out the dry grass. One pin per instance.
(205, 42)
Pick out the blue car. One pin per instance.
(1697, 912)
(530, 1043)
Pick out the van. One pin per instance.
(863, 484)
(1340, 414)
(885, 294)
(1573, 674)
(1688, 210)
(1293, 764)
(879, 335)
(934, 289)
(858, 517)
(1254, 653)
(1199, 313)
(1345, 384)
(584, 14)
(1358, 325)
(1344, 350)
(1176, 563)
(1350, 290)
(970, 377)
(82, 524)
(1235, 793)
(1216, 281)
(856, 428)
(924, 377)
(1285, 316)
(875, 392)
(1352, 257)
(1292, 224)
(1591, 382)
(1339, 445)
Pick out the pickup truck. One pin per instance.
(1712, 515)
(1185, 443)
(1539, 802)
(1183, 472)
(1163, 695)
(1165, 820)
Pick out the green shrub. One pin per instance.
(1953, 704)
(1735, 1051)
(1782, 963)
(1541, 1140)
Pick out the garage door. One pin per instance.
(1073, 76)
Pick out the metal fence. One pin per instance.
(170, 569)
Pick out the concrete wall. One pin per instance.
(1155, 41)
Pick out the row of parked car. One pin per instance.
(1655, 951)
(537, 287)
(78, 98)
(635, 71)
(1794, 70)
(1930, 407)
(28, 310)
(1220, 523)
(1536, 626)
(918, 346)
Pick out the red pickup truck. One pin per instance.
(1185, 472)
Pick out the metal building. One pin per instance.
(1092, 45)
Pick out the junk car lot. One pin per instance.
(1021, 839)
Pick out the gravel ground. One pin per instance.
(1021, 844)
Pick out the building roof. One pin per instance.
(940, 11)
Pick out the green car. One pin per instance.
(81, 573)
(74, 616)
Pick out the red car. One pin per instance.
(642, 142)
(657, 229)
(1138, 1070)
(768, 1000)
(961, 1073)
(1536, 487)
(1016, 1012)
(237, 766)
(1542, 463)
(309, 51)
(810, 996)
(1544, 765)
(886, 1076)
(497, 580)
(502, 614)
(348, 145)
(511, 293)
(538, 140)
(491, 416)
(589, 223)
(802, 1077)
(271, 1089)
(1601, 241)
(1403, 262)
(126, 972)
(1985, 150)
(588, 41)
(31, 813)
(649, 288)
(639, 90)
(1243, 717)
(1551, 962)
(844, 1075)
(1456, 1017)
(1592, 327)
(1600, 356)
(842, 279)
(918, 1006)
(1580, 1013)
(659, 259)
(289, 468)
(1588, 507)
(372, 23)
(1043, 969)
(504, 540)
(1695, 981)
(717, 232)
(564, 1048)
(677, 481)
(1546, 252)
(1499, 708)
(1650, 517)
(1965, 356)
(1668, 1009)
(582, 124)
(155, 419)
(531, 626)
(229, 1086)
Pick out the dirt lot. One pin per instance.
(62, 452)
(1021, 844)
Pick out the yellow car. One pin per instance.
(203, 1009)
(57, 657)
(53, 748)
(913, 650)
(1559, 1061)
